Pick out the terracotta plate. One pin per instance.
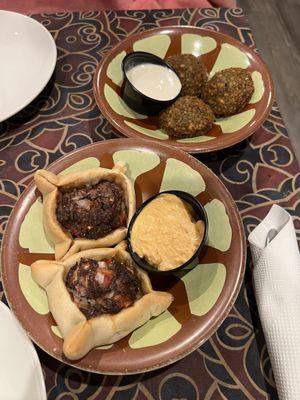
(217, 51)
(203, 296)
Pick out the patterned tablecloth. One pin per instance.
(234, 363)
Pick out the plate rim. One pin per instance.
(51, 65)
(197, 148)
(211, 331)
(35, 356)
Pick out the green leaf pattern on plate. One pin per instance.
(118, 105)
(32, 235)
(196, 139)
(34, 295)
(219, 229)
(259, 87)
(154, 133)
(229, 57)
(197, 44)
(56, 331)
(157, 44)
(137, 162)
(180, 176)
(114, 69)
(155, 331)
(203, 285)
(235, 122)
(86, 163)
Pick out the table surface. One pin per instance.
(234, 362)
(280, 41)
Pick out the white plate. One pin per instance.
(28, 58)
(21, 376)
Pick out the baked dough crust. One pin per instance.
(81, 335)
(49, 185)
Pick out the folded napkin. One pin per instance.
(276, 272)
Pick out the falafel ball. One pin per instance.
(228, 91)
(188, 116)
(191, 71)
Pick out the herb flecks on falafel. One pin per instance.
(191, 71)
(228, 91)
(187, 117)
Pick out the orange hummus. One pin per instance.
(165, 234)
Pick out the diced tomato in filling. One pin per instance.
(103, 287)
(123, 300)
(108, 277)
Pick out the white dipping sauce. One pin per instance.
(155, 81)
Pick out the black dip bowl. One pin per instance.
(199, 214)
(135, 99)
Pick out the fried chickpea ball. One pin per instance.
(228, 91)
(188, 116)
(191, 71)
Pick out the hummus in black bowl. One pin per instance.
(167, 232)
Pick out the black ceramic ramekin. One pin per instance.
(135, 99)
(200, 214)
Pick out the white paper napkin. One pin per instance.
(277, 289)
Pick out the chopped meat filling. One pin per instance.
(103, 287)
(92, 212)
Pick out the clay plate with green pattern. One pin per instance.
(217, 51)
(203, 296)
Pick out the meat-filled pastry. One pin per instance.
(97, 297)
(85, 209)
